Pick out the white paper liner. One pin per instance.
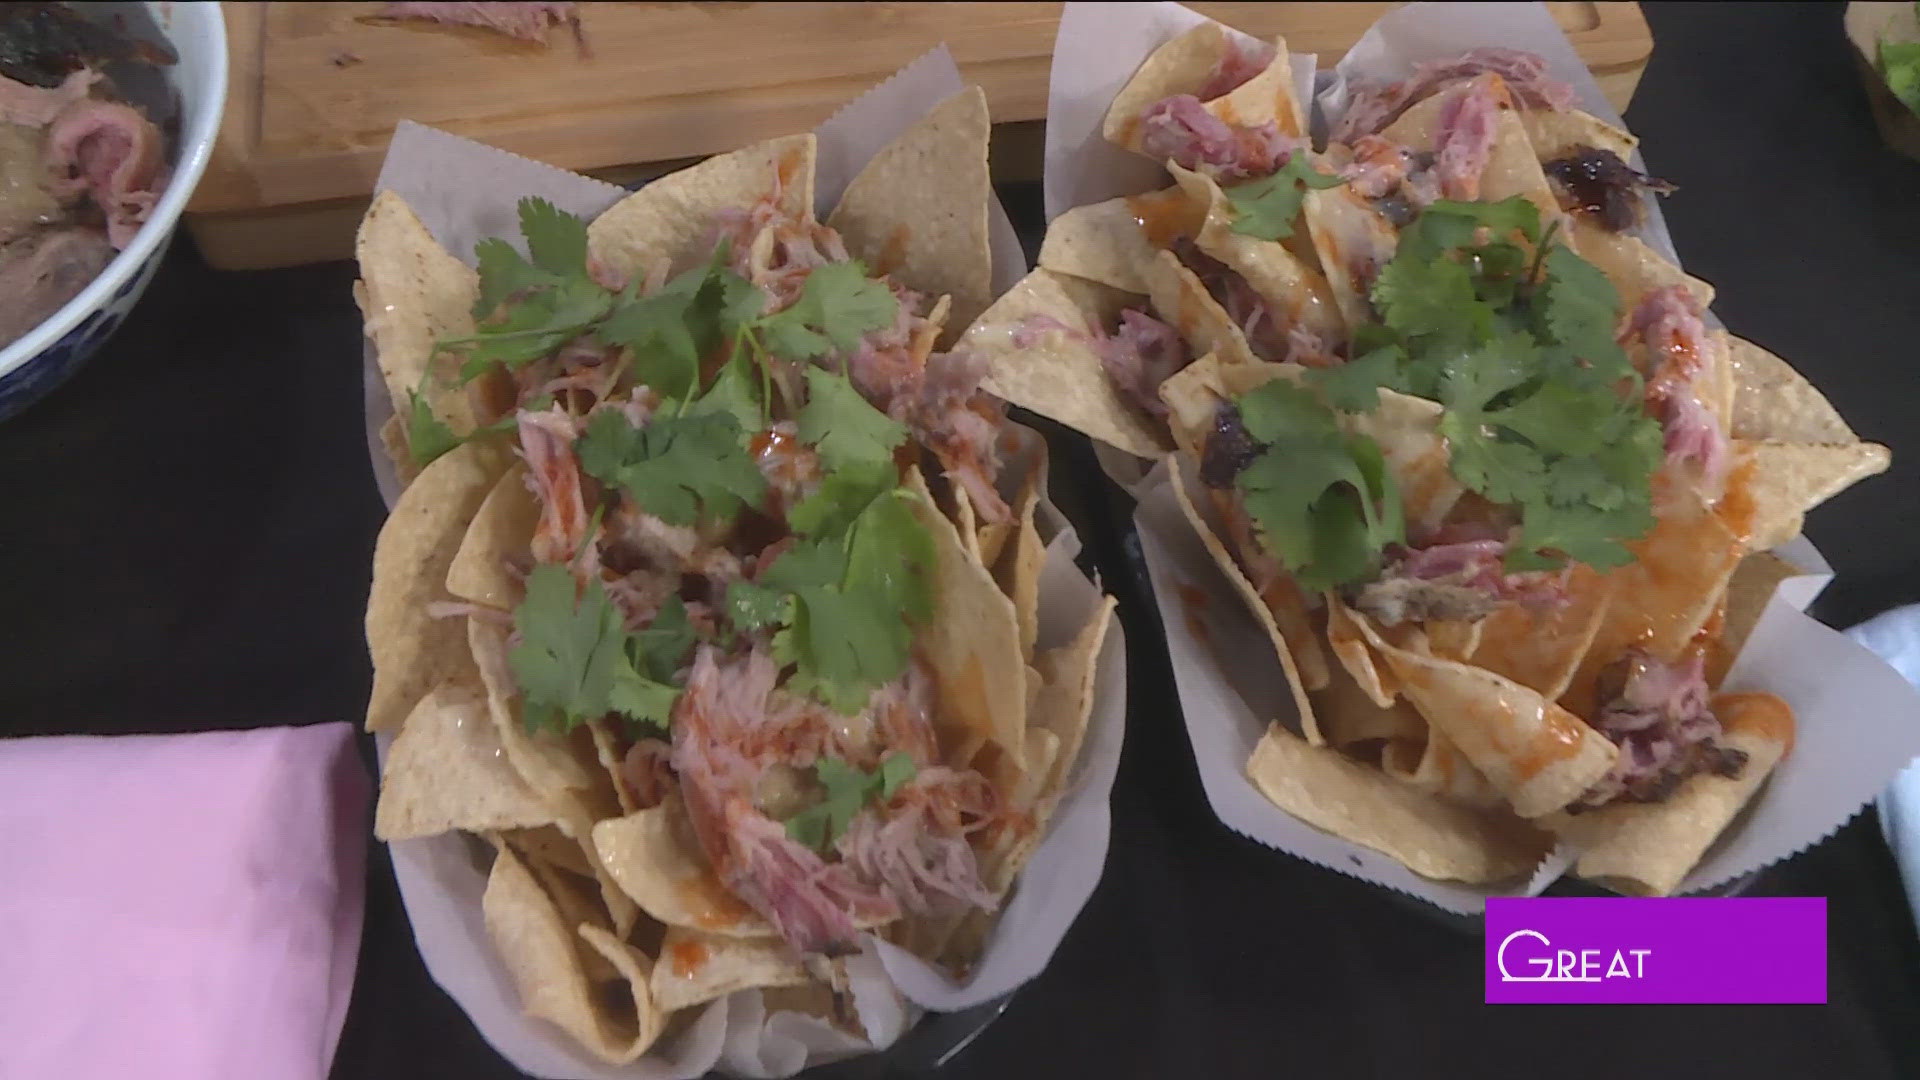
(465, 191)
(1854, 714)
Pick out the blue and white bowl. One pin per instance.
(51, 352)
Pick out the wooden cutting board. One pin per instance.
(318, 88)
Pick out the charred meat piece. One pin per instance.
(1229, 449)
(41, 44)
(1597, 183)
(1658, 714)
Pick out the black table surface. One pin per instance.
(190, 523)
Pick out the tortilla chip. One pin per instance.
(1349, 717)
(606, 748)
(502, 526)
(1282, 643)
(1436, 766)
(1556, 133)
(1019, 566)
(576, 902)
(1184, 65)
(445, 770)
(1105, 241)
(411, 649)
(414, 292)
(1541, 649)
(1293, 288)
(654, 858)
(1662, 599)
(1065, 702)
(1647, 849)
(1453, 639)
(695, 968)
(1183, 302)
(1430, 836)
(972, 642)
(918, 210)
(1512, 168)
(549, 845)
(670, 217)
(1788, 479)
(1753, 584)
(1056, 371)
(1353, 240)
(1349, 644)
(542, 952)
(1537, 754)
(393, 439)
(1774, 403)
(1634, 268)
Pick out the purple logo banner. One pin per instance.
(1657, 951)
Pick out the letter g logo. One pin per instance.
(1546, 964)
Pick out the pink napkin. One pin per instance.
(179, 906)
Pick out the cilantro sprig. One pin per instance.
(845, 789)
(681, 469)
(575, 660)
(1266, 208)
(1323, 499)
(1543, 409)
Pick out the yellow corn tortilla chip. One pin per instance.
(1436, 766)
(1634, 268)
(918, 210)
(1667, 594)
(576, 902)
(1788, 479)
(502, 526)
(1065, 701)
(1537, 754)
(1183, 65)
(393, 439)
(695, 968)
(1541, 650)
(1019, 566)
(1774, 403)
(1647, 849)
(543, 954)
(1453, 639)
(1511, 169)
(652, 855)
(1556, 133)
(412, 293)
(1293, 288)
(606, 748)
(411, 649)
(445, 771)
(1352, 240)
(1057, 373)
(1753, 584)
(972, 642)
(1349, 644)
(549, 845)
(1262, 610)
(1105, 241)
(1184, 303)
(1349, 717)
(669, 218)
(550, 763)
(1430, 836)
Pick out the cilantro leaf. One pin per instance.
(845, 789)
(572, 648)
(841, 497)
(1447, 224)
(731, 392)
(556, 239)
(428, 436)
(752, 605)
(1900, 66)
(847, 430)
(838, 306)
(1431, 301)
(659, 649)
(1266, 208)
(677, 468)
(1323, 499)
(641, 699)
(1354, 386)
(664, 334)
(504, 272)
(1579, 309)
(853, 597)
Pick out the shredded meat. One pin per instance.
(1670, 322)
(1180, 129)
(1465, 140)
(1456, 579)
(1658, 714)
(1142, 353)
(1595, 182)
(1373, 105)
(947, 412)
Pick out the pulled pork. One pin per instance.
(1594, 182)
(1658, 714)
(1371, 106)
(1142, 353)
(1180, 129)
